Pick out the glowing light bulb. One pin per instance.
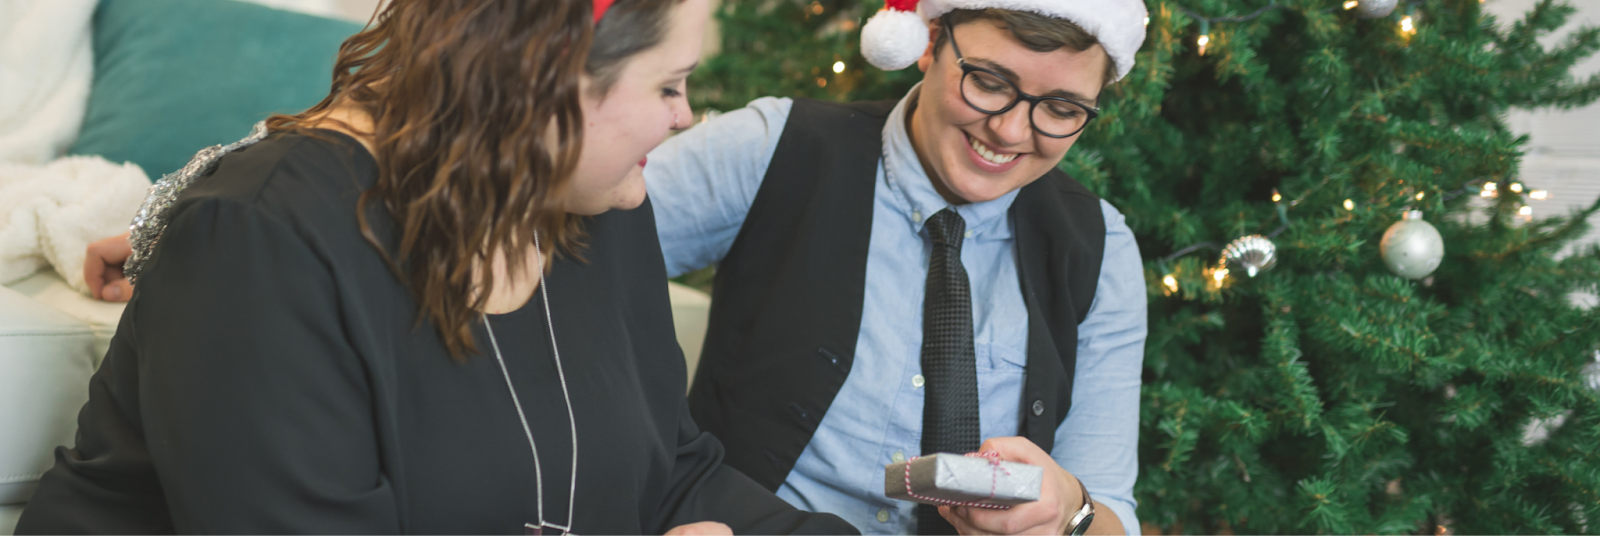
(1220, 275)
(1147, 21)
(1351, 5)
(1349, 205)
(1490, 186)
(1420, 195)
(1525, 210)
(1276, 197)
(1516, 187)
(1539, 194)
(1407, 26)
(1170, 282)
(838, 67)
(1203, 41)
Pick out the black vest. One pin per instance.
(788, 302)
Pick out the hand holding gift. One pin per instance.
(1060, 499)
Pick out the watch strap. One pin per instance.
(1084, 517)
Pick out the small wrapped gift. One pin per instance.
(954, 479)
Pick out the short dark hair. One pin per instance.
(1037, 32)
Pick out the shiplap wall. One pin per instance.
(1564, 150)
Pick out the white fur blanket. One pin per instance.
(51, 207)
(50, 213)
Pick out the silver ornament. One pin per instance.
(1254, 253)
(1375, 9)
(1411, 247)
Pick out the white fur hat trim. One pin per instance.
(1118, 25)
(893, 40)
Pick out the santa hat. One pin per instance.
(894, 38)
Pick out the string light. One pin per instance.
(1420, 195)
(1205, 36)
(838, 67)
(1147, 20)
(1525, 210)
(1170, 282)
(822, 82)
(1539, 194)
(1407, 26)
(1351, 5)
(1489, 190)
(1276, 197)
(1220, 274)
(1516, 187)
(1349, 205)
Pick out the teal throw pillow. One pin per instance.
(174, 76)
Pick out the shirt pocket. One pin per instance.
(1000, 359)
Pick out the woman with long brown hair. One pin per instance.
(455, 318)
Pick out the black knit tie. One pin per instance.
(949, 364)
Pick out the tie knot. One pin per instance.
(946, 228)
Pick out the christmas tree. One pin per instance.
(1300, 383)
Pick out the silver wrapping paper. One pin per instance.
(953, 477)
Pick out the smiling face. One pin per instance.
(974, 157)
(635, 115)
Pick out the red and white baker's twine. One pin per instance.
(994, 460)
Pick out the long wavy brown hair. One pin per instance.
(476, 130)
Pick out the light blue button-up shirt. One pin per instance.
(702, 183)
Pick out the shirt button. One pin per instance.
(917, 381)
(1038, 408)
(916, 216)
(899, 456)
(968, 234)
(883, 516)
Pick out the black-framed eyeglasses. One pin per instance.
(994, 94)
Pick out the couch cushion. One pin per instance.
(46, 359)
(8, 518)
(174, 76)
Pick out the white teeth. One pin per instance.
(989, 155)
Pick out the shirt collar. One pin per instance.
(914, 189)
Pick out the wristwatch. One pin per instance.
(1085, 516)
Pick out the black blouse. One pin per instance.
(270, 375)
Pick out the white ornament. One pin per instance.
(1375, 9)
(1254, 253)
(1412, 247)
(893, 39)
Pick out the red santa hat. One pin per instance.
(895, 37)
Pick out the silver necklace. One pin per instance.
(538, 473)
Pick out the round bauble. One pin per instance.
(1254, 253)
(1411, 247)
(1375, 9)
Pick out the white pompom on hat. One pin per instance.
(895, 37)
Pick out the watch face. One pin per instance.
(1083, 526)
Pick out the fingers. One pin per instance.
(117, 291)
(1043, 516)
(102, 268)
(1017, 449)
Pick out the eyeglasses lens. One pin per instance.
(991, 94)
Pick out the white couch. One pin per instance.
(52, 340)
